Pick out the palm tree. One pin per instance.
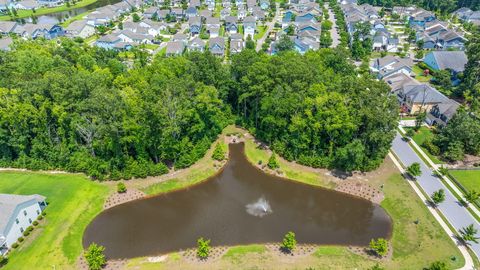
(469, 234)
(472, 196)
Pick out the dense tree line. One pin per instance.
(442, 6)
(314, 109)
(470, 89)
(68, 106)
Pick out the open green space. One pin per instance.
(469, 179)
(44, 11)
(73, 202)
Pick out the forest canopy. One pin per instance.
(443, 6)
(69, 106)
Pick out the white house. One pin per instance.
(17, 212)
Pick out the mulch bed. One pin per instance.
(360, 189)
(111, 264)
(367, 253)
(301, 250)
(119, 198)
(216, 253)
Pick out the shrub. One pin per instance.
(203, 249)
(95, 257)
(380, 246)
(44, 213)
(40, 217)
(272, 162)
(121, 188)
(30, 228)
(414, 170)
(35, 223)
(438, 196)
(3, 260)
(26, 233)
(410, 133)
(15, 245)
(289, 242)
(432, 148)
(219, 152)
(20, 239)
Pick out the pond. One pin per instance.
(240, 205)
(58, 17)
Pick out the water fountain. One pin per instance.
(259, 208)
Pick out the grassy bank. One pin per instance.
(470, 179)
(43, 11)
(73, 202)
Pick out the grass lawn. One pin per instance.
(419, 74)
(74, 18)
(73, 202)
(470, 179)
(43, 11)
(424, 134)
(261, 30)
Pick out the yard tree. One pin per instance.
(203, 248)
(414, 170)
(420, 44)
(249, 43)
(95, 257)
(419, 54)
(273, 162)
(284, 44)
(379, 246)
(289, 242)
(420, 119)
(219, 152)
(438, 265)
(438, 196)
(469, 234)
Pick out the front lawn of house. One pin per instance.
(73, 202)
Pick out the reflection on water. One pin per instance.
(216, 210)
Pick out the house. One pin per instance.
(196, 45)
(441, 113)
(175, 48)
(224, 13)
(178, 13)
(154, 28)
(454, 61)
(108, 42)
(414, 99)
(194, 3)
(17, 213)
(249, 25)
(251, 4)
(241, 13)
(259, 15)
(422, 17)
(302, 45)
(397, 81)
(226, 4)
(236, 43)
(264, 4)
(239, 3)
(217, 46)
(204, 14)
(98, 18)
(195, 24)
(181, 38)
(162, 14)
(213, 26)
(128, 36)
(79, 29)
(43, 30)
(7, 27)
(390, 64)
(231, 25)
(191, 12)
(6, 43)
(50, 3)
(26, 5)
(151, 13)
(451, 40)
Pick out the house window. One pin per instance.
(16, 220)
(21, 229)
(30, 220)
(24, 212)
(38, 212)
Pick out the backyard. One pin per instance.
(419, 74)
(73, 202)
(469, 179)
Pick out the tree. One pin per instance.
(420, 119)
(379, 246)
(438, 265)
(376, 267)
(95, 257)
(443, 79)
(121, 188)
(472, 196)
(249, 43)
(3, 260)
(410, 133)
(469, 234)
(420, 44)
(414, 170)
(325, 40)
(219, 152)
(438, 196)
(290, 30)
(135, 17)
(419, 54)
(284, 44)
(273, 162)
(203, 248)
(289, 242)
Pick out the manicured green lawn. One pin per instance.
(261, 30)
(74, 18)
(43, 11)
(419, 72)
(469, 179)
(73, 202)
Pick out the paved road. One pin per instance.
(334, 32)
(457, 215)
(270, 26)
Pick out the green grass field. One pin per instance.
(419, 72)
(73, 202)
(469, 179)
(261, 30)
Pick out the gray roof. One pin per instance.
(175, 47)
(5, 43)
(77, 26)
(7, 26)
(10, 202)
(454, 60)
(424, 93)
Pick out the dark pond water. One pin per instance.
(58, 17)
(241, 205)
